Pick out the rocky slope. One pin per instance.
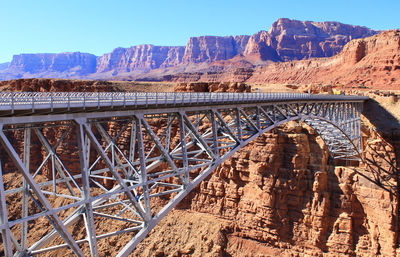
(370, 62)
(286, 40)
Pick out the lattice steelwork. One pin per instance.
(80, 168)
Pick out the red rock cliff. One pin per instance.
(212, 48)
(294, 40)
(372, 62)
(142, 57)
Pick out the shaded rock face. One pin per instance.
(212, 48)
(77, 63)
(142, 57)
(261, 45)
(234, 75)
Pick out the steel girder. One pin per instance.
(117, 174)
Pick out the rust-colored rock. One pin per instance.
(212, 48)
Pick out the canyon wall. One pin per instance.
(286, 40)
(143, 57)
(369, 62)
(280, 196)
(212, 48)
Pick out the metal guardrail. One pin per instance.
(10, 101)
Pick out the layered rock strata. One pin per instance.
(286, 40)
(143, 57)
(372, 62)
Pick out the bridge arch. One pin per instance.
(139, 156)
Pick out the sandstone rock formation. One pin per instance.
(211, 48)
(260, 45)
(280, 196)
(142, 57)
(295, 40)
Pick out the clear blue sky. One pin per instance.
(35, 26)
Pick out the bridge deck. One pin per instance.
(27, 103)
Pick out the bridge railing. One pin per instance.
(44, 100)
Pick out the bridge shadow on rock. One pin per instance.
(381, 147)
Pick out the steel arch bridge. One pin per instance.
(78, 168)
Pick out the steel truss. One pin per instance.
(110, 174)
